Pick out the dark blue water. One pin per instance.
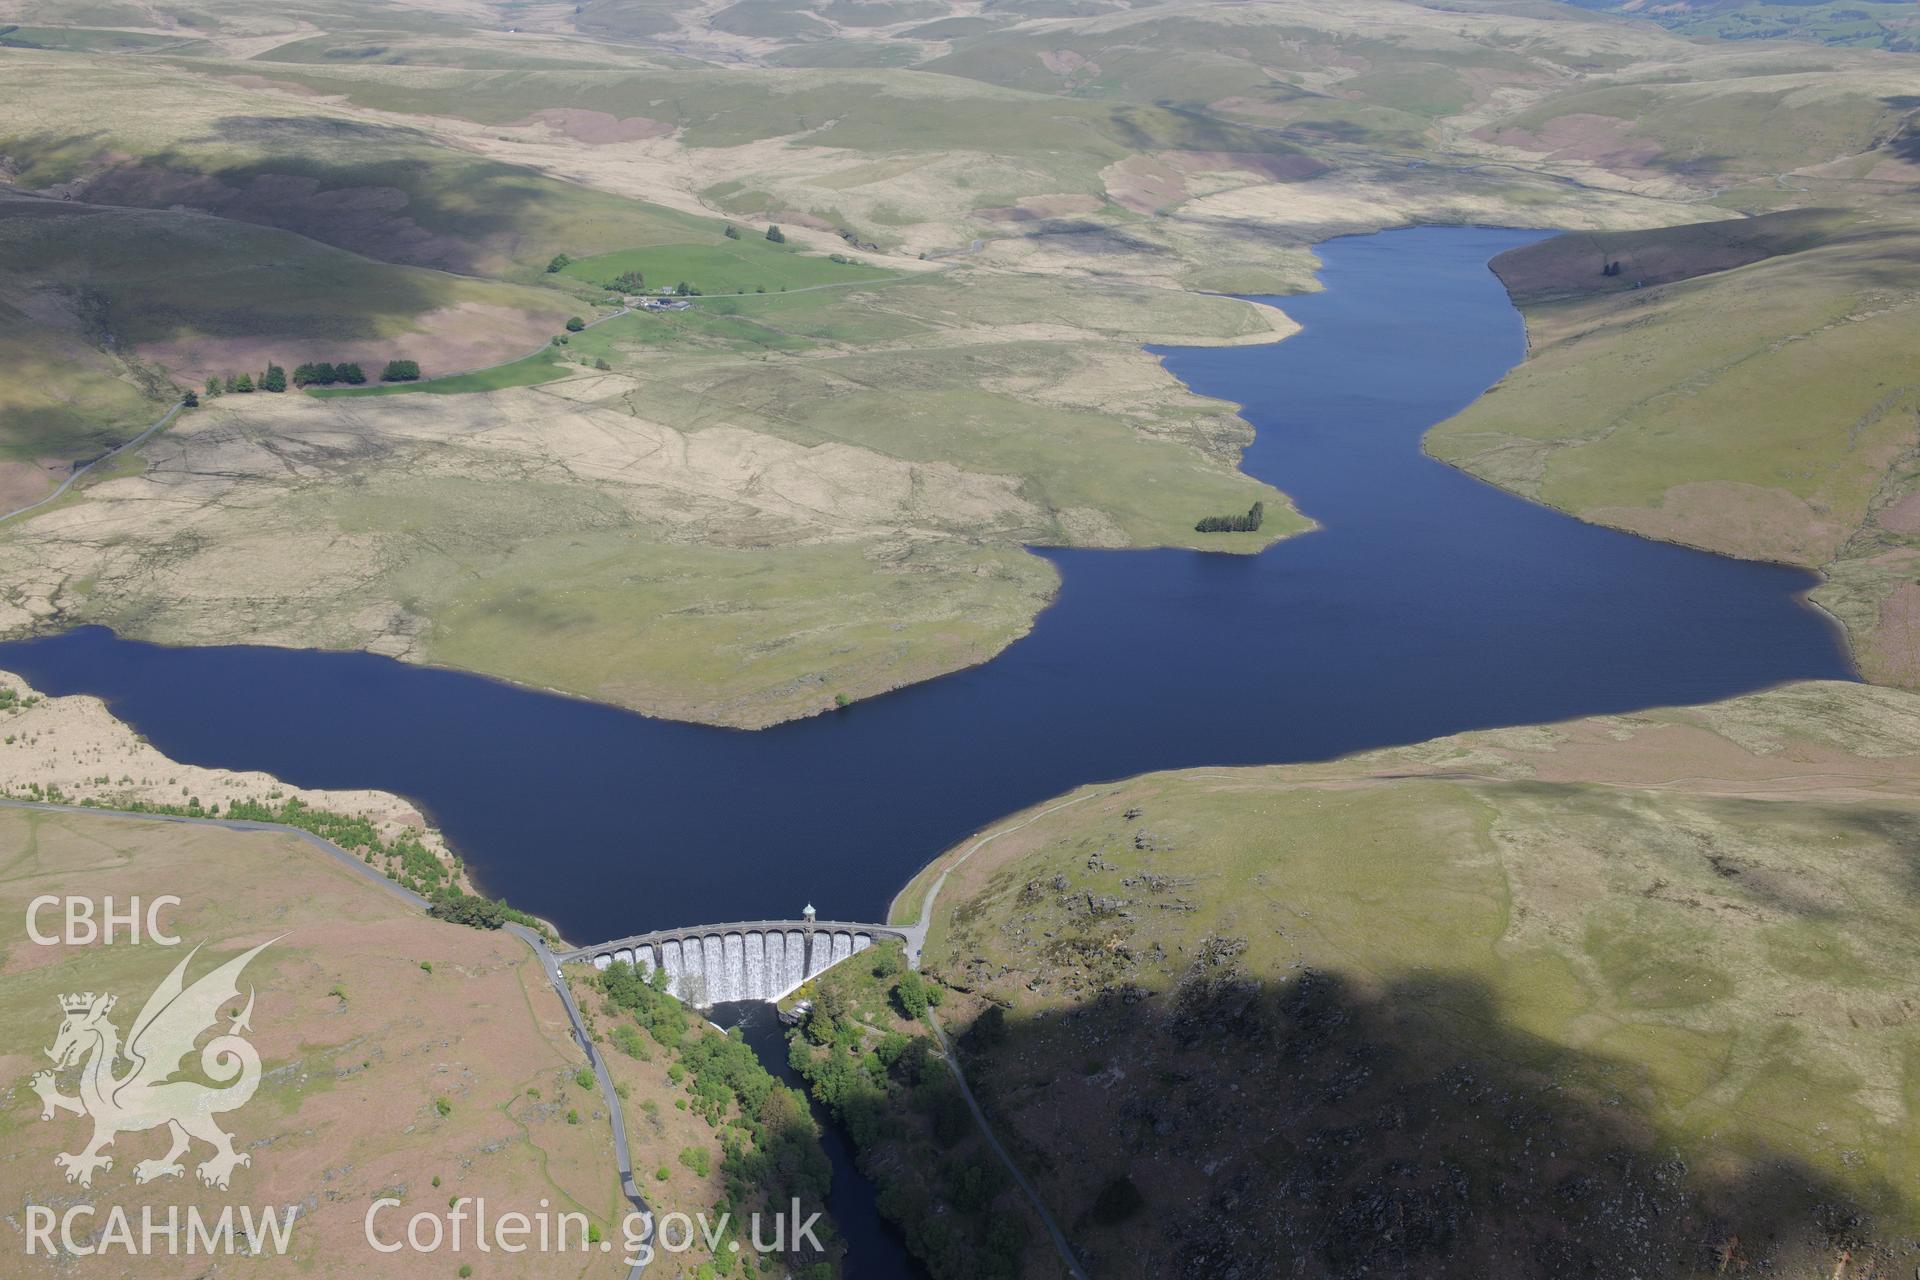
(1428, 603)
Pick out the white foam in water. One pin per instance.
(675, 964)
(716, 970)
(776, 974)
(734, 985)
(796, 960)
(693, 982)
(756, 987)
(720, 968)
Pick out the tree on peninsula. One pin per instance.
(1247, 523)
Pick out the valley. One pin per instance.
(1374, 537)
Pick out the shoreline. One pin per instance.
(919, 856)
(1818, 572)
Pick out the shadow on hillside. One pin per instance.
(398, 198)
(1313, 1127)
(1906, 144)
(1182, 128)
(139, 276)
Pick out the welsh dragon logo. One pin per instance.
(147, 1095)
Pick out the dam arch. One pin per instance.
(747, 960)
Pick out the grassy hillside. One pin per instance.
(208, 137)
(1743, 387)
(725, 266)
(66, 394)
(103, 311)
(1622, 996)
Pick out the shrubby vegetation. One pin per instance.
(770, 1147)
(456, 906)
(938, 1181)
(314, 374)
(323, 374)
(1247, 523)
(400, 371)
(11, 699)
(404, 859)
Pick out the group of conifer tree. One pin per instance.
(1247, 523)
(318, 373)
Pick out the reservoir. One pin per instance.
(1427, 603)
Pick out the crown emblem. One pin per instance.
(156, 1049)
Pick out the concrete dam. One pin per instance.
(757, 960)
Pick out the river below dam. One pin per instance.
(1427, 603)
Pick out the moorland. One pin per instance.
(981, 224)
(1626, 995)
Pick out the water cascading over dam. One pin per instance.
(716, 964)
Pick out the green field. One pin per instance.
(748, 265)
(799, 321)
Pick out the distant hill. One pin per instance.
(1838, 22)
